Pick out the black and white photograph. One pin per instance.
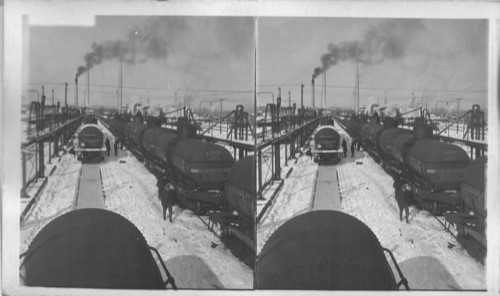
(136, 153)
(269, 147)
(372, 172)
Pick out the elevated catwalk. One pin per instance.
(90, 194)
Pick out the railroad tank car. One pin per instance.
(204, 163)
(326, 147)
(387, 136)
(470, 220)
(89, 142)
(150, 138)
(90, 119)
(240, 196)
(199, 168)
(92, 248)
(325, 250)
(239, 191)
(439, 163)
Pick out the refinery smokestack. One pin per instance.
(76, 91)
(88, 87)
(313, 103)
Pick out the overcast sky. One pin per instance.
(200, 56)
(439, 59)
(196, 56)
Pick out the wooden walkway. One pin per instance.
(326, 195)
(90, 194)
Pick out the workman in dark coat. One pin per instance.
(404, 198)
(168, 197)
(353, 143)
(116, 147)
(344, 147)
(108, 146)
(160, 183)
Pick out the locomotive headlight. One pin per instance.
(319, 146)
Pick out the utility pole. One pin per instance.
(52, 97)
(65, 95)
(120, 98)
(458, 109)
(302, 96)
(220, 116)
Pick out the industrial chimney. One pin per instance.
(313, 103)
(76, 91)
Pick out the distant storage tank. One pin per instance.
(324, 250)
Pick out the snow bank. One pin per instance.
(194, 256)
(429, 257)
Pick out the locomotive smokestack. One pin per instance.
(76, 91)
(313, 103)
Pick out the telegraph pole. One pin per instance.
(220, 116)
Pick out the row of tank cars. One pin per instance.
(441, 175)
(207, 179)
(327, 250)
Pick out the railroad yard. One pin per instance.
(194, 172)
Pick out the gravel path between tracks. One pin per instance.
(428, 256)
(193, 255)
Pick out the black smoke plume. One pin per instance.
(386, 40)
(143, 42)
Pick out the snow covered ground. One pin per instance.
(194, 256)
(57, 198)
(293, 199)
(429, 257)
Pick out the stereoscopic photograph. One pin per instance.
(253, 147)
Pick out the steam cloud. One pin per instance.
(143, 42)
(386, 40)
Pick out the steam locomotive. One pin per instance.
(326, 250)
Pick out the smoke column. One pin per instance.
(143, 42)
(385, 40)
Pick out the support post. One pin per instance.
(23, 189)
(259, 163)
(41, 163)
(277, 164)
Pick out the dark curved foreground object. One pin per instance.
(91, 248)
(324, 250)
